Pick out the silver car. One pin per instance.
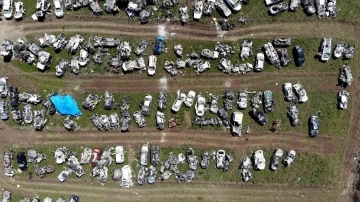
(4, 110)
(4, 88)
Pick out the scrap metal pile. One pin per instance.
(8, 164)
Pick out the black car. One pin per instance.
(21, 160)
(14, 96)
(258, 116)
(299, 57)
(74, 198)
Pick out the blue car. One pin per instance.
(159, 45)
(313, 126)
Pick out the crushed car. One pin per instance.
(269, 101)
(275, 159)
(236, 123)
(293, 115)
(160, 120)
(91, 101)
(139, 119)
(246, 50)
(213, 102)
(228, 99)
(39, 119)
(162, 99)
(271, 54)
(300, 92)
(178, 101)
(343, 99)
(242, 100)
(289, 158)
(345, 76)
(61, 67)
(245, 168)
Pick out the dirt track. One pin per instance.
(208, 190)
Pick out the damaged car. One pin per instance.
(293, 115)
(343, 99)
(275, 159)
(91, 101)
(258, 160)
(269, 101)
(345, 76)
(289, 158)
(39, 119)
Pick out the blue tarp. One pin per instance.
(66, 105)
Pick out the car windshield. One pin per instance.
(7, 11)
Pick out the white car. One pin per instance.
(19, 10)
(246, 169)
(200, 105)
(220, 158)
(343, 99)
(234, 5)
(242, 100)
(300, 92)
(59, 12)
(325, 49)
(198, 9)
(64, 175)
(259, 62)
(83, 59)
(144, 154)
(259, 160)
(152, 65)
(289, 159)
(146, 105)
(275, 159)
(47, 199)
(190, 98)
(8, 9)
(74, 65)
(288, 92)
(4, 87)
(119, 154)
(222, 8)
(236, 123)
(178, 102)
(126, 177)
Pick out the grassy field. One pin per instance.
(308, 169)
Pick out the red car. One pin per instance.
(96, 156)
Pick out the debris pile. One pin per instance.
(35, 157)
(102, 122)
(174, 121)
(30, 98)
(42, 171)
(345, 75)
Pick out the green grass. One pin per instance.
(307, 169)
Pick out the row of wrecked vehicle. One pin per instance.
(341, 50)
(258, 162)
(29, 52)
(320, 7)
(7, 197)
(100, 160)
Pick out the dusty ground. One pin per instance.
(196, 191)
